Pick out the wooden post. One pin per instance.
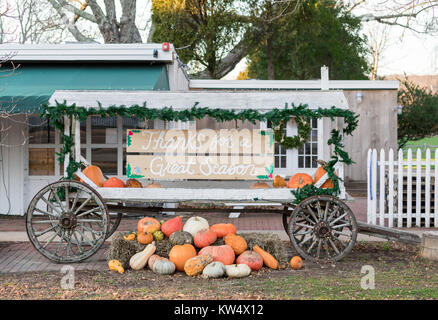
(67, 133)
(391, 188)
(400, 189)
(382, 188)
(427, 204)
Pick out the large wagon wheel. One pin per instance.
(323, 228)
(114, 220)
(76, 225)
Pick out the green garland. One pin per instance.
(278, 117)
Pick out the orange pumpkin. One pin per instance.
(94, 174)
(204, 238)
(114, 182)
(171, 226)
(319, 173)
(279, 182)
(252, 259)
(180, 254)
(133, 183)
(154, 185)
(145, 238)
(260, 185)
(222, 229)
(268, 259)
(236, 242)
(148, 224)
(224, 253)
(299, 180)
(296, 263)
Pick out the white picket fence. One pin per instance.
(402, 192)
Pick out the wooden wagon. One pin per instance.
(68, 221)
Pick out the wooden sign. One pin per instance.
(226, 141)
(199, 167)
(200, 154)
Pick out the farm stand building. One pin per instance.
(29, 145)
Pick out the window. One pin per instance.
(280, 155)
(308, 153)
(43, 144)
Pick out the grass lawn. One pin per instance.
(431, 143)
(399, 274)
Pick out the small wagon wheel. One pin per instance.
(76, 225)
(323, 228)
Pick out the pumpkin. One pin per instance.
(94, 174)
(260, 185)
(195, 224)
(238, 243)
(113, 182)
(279, 182)
(268, 259)
(215, 269)
(224, 253)
(139, 260)
(116, 265)
(204, 238)
(319, 173)
(130, 237)
(296, 263)
(180, 254)
(237, 271)
(195, 265)
(180, 237)
(252, 259)
(133, 183)
(158, 235)
(299, 180)
(154, 185)
(148, 224)
(153, 259)
(145, 237)
(172, 225)
(222, 229)
(163, 266)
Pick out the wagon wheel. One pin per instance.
(323, 228)
(114, 218)
(67, 232)
(286, 216)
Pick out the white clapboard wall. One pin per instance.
(402, 191)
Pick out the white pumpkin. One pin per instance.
(215, 269)
(163, 266)
(195, 224)
(138, 261)
(238, 270)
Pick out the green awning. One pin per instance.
(31, 85)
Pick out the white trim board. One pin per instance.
(86, 52)
(180, 100)
(295, 84)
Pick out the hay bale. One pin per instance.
(269, 242)
(122, 250)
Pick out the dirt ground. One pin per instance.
(399, 274)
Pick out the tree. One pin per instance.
(321, 33)
(419, 118)
(212, 34)
(112, 29)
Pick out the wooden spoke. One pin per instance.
(318, 237)
(61, 205)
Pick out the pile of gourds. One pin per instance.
(233, 259)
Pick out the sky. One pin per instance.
(405, 51)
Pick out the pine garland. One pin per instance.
(278, 117)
